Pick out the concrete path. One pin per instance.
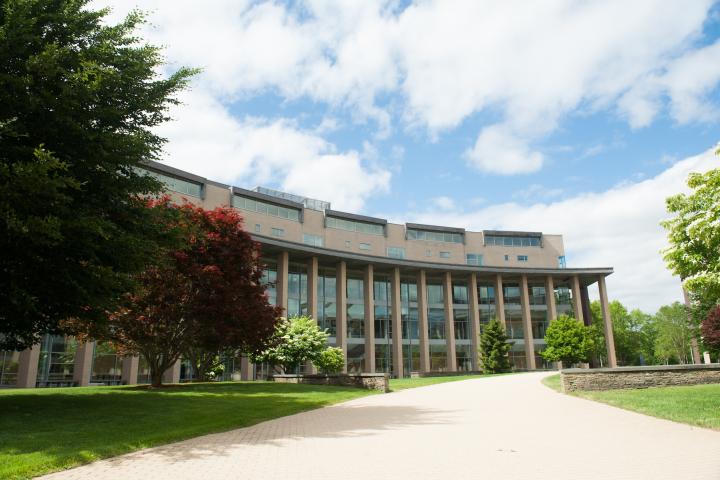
(509, 427)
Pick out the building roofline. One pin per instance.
(434, 228)
(512, 233)
(356, 217)
(267, 198)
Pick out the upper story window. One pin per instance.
(396, 252)
(278, 232)
(474, 259)
(431, 236)
(364, 246)
(265, 208)
(176, 184)
(561, 262)
(444, 254)
(313, 240)
(354, 226)
(522, 258)
(505, 241)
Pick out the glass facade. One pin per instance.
(410, 325)
(57, 361)
(355, 296)
(514, 324)
(265, 208)
(436, 326)
(432, 236)
(474, 259)
(354, 226)
(297, 290)
(327, 301)
(510, 241)
(106, 366)
(312, 240)
(176, 184)
(486, 303)
(9, 363)
(396, 252)
(383, 323)
(269, 279)
(463, 331)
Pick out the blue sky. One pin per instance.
(566, 117)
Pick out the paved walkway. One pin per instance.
(509, 427)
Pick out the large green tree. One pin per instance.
(78, 103)
(568, 341)
(296, 340)
(672, 342)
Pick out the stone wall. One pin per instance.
(370, 381)
(638, 377)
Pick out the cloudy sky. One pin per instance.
(564, 117)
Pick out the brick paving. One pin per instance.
(509, 427)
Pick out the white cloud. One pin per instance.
(207, 140)
(443, 203)
(537, 191)
(436, 63)
(618, 228)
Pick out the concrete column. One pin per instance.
(83, 363)
(449, 322)
(499, 300)
(527, 323)
(576, 298)
(474, 321)
(282, 281)
(245, 369)
(423, 322)
(130, 364)
(369, 319)
(396, 318)
(28, 367)
(607, 321)
(341, 309)
(694, 347)
(550, 298)
(312, 286)
(172, 374)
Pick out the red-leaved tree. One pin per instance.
(710, 329)
(204, 298)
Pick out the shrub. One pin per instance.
(494, 348)
(568, 341)
(330, 361)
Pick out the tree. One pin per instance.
(627, 331)
(295, 341)
(568, 341)
(201, 299)
(711, 330)
(330, 361)
(695, 238)
(494, 348)
(79, 103)
(673, 333)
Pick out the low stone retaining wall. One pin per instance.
(638, 377)
(369, 381)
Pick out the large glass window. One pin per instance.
(355, 308)
(326, 302)
(57, 361)
(410, 325)
(265, 208)
(432, 236)
(176, 184)
(297, 290)
(517, 356)
(355, 357)
(474, 259)
(313, 240)
(539, 322)
(508, 241)
(269, 279)
(438, 357)
(463, 357)
(107, 365)
(395, 252)
(354, 226)
(511, 294)
(9, 363)
(514, 324)
(537, 296)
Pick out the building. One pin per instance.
(395, 298)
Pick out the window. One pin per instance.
(474, 259)
(431, 236)
(313, 240)
(278, 232)
(176, 184)
(396, 252)
(354, 226)
(506, 241)
(444, 254)
(265, 208)
(561, 262)
(347, 244)
(428, 253)
(364, 246)
(258, 228)
(507, 257)
(522, 258)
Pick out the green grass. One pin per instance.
(397, 384)
(692, 404)
(43, 430)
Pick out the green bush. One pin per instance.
(494, 348)
(568, 341)
(330, 361)
(296, 340)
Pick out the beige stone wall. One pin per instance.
(639, 377)
(369, 381)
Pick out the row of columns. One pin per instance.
(396, 312)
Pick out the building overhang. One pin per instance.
(355, 217)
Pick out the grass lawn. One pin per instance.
(692, 404)
(43, 430)
(403, 383)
